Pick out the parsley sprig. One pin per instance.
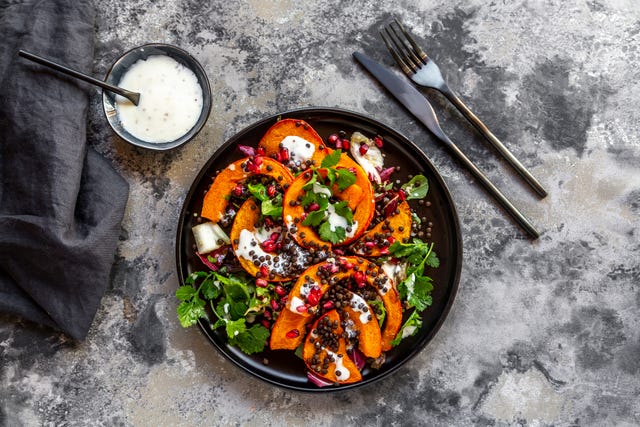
(416, 287)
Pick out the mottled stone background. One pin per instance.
(542, 333)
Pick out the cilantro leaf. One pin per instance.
(416, 288)
(342, 208)
(410, 327)
(345, 179)
(252, 340)
(190, 311)
(272, 207)
(333, 236)
(416, 188)
(314, 219)
(185, 293)
(331, 159)
(235, 327)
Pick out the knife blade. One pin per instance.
(414, 101)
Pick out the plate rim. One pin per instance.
(294, 113)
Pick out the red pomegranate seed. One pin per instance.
(328, 305)
(271, 191)
(262, 283)
(266, 323)
(314, 296)
(402, 194)
(268, 245)
(391, 239)
(348, 265)
(333, 138)
(284, 155)
(346, 144)
(274, 305)
(369, 244)
(260, 151)
(274, 237)
(280, 290)
(359, 277)
(384, 251)
(294, 333)
(378, 141)
(301, 309)
(313, 207)
(264, 271)
(257, 160)
(339, 143)
(363, 149)
(238, 190)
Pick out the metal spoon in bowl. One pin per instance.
(131, 96)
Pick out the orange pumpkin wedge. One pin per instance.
(363, 321)
(288, 331)
(359, 197)
(325, 341)
(244, 222)
(397, 225)
(298, 301)
(295, 134)
(216, 200)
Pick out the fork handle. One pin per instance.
(497, 144)
(522, 220)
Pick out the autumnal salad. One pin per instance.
(312, 246)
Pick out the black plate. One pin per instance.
(284, 368)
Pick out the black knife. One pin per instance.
(418, 105)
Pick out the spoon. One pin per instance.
(131, 96)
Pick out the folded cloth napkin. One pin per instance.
(61, 204)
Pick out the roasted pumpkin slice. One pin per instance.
(216, 200)
(359, 198)
(288, 331)
(375, 241)
(325, 351)
(360, 321)
(305, 295)
(294, 142)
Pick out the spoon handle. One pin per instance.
(132, 96)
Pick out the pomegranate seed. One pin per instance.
(402, 194)
(262, 283)
(346, 144)
(313, 207)
(260, 151)
(238, 190)
(363, 149)
(314, 296)
(301, 309)
(348, 265)
(274, 305)
(391, 239)
(338, 251)
(384, 251)
(280, 290)
(267, 315)
(378, 141)
(257, 160)
(333, 269)
(284, 155)
(359, 277)
(271, 191)
(333, 138)
(339, 143)
(369, 244)
(266, 323)
(328, 305)
(274, 237)
(294, 333)
(264, 271)
(268, 246)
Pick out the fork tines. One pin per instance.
(405, 51)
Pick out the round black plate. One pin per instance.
(284, 368)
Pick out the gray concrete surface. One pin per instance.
(541, 333)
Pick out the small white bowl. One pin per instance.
(143, 52)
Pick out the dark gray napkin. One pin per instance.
(61, 204)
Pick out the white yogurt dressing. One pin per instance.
(170, 99)
(299, 149)
(336, 221)
(358, 304)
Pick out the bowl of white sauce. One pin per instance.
(175, 97)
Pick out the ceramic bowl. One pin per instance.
(120, 67)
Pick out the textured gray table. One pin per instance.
(541, 333)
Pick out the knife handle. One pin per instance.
(522, 220)
(494, 141)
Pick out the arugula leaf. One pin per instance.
(252, 340)
(331, 159)
(259, 191)
(416, 188)
(272, 207)
(410, 327)
(342, 208)
(379, 305)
